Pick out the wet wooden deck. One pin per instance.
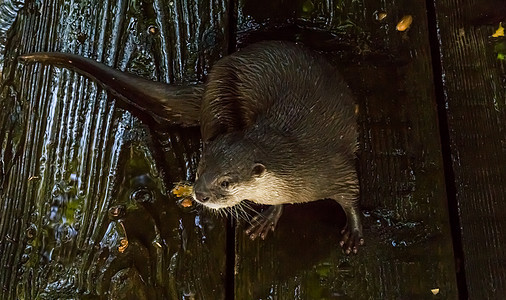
(85, 186)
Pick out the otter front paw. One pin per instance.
(351, 239)
(264, 222)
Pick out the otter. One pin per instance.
(278, 127)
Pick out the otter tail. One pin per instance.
(172, 104)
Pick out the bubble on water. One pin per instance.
(31, 232)
(142, 195)
(116, 212)
(65, 233)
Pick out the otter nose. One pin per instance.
(201, 197)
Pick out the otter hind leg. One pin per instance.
(352, 236)
(264, 222)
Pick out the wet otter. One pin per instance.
(277, 122)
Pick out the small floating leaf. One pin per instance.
(187, 202)
(307, 6)
(500, 49)
(404, 23)
(123, 245)
(182, 189)
(499, 32)
(381, 16)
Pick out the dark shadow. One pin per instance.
(305, 235)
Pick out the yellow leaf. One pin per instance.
(499, 32)
(187, 202)
(404, 23)
(182, 189)
(123, 245)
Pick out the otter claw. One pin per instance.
(350, 240)
(265, 222)
(260, 228)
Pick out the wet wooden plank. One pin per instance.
(474, 89)
(408, 252)
(86, 207)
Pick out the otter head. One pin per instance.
(230, 167)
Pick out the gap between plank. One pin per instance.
(444, 133)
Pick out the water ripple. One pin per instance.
(8, 13)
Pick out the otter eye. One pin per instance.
(225, 184)
(258, 169)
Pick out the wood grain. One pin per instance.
(474, 92)
(86, 207)
(408, 251)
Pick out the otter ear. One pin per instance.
(258, 170)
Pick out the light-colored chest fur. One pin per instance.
(267, 189)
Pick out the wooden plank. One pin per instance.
(474, 93)
(8, 13)
(86, 208)
(408, 251)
